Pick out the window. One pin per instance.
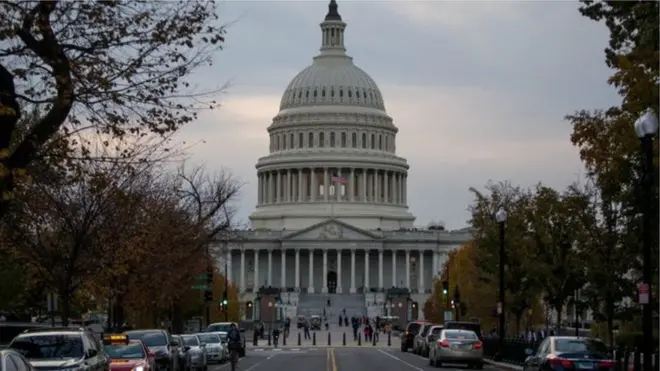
(373, 141)
(332, 92)
(364, 140)
(291, 144)
(300, 140)
(341, 93)
(350, 93)
(332, 140)
(323, 93)
(354, 140)
(321, 140)
(47, 346)
(387, 142)
(307, 94)
(283, 141)
(343, 140)
(315, 93)
(310, 142)
(380, 142)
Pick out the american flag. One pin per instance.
(339, 179)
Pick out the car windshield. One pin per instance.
(218, 327)
(131, 350)
(436, 331)
(223, 336)
(49, 346)
(149, 338)
(191, 341)
(209, 338)
(579, 346)
(414, 327)
(460, 335)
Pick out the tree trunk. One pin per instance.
(518, 320)
(177, 318)
(558, 310)
(65, 310)
(609, 313)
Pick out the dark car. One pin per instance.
(470, 326)
(563, 353)
(162, 344)
(61, 349)
(408, 336)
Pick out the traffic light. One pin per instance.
(453, 304)
(208, 293)
(445, 287)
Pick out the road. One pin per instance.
(334, 359)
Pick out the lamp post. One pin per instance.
(646, 127)
(501, 217)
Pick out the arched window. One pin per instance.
(343, 140)
(364, 140)
(373, 141)
(332, 140)
(321, 140)
(284, 141)
(354, 140)
(380, 142)
(300, 140)
(291, 144)
(387, 142)
(310, 140)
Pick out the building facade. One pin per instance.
(332, 213)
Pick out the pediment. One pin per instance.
(331, 230)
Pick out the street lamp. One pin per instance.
(646, 127)
(501, 217)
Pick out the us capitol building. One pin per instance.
(332, 217)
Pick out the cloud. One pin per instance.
(477, 89)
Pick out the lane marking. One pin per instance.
(400, 360)
(327, 360)
(260, 363)
(333, 361)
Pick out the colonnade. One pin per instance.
(412, 257)
(314, 184)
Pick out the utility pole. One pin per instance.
(208, 292)
(225, 297)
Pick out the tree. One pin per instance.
(555, 230)
(129, 77)
(520, 277)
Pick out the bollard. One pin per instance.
(283, 340)
(343, 340)
(329, 339)
(269, 338)
(359, 339)
(255, 340)
(299, 341)
(389, 339)
(373, 339)
(314, 338)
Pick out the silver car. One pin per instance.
(223, 342)
(433, 333)
(457, 346)
(213, 345)
(197, 351)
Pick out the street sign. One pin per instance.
(643, 293)
(200, 287)
(449, 315)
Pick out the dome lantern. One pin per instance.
(332, 32)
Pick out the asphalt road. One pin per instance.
(335, 359)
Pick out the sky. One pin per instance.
(478, 90)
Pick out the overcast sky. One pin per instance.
(478, 90)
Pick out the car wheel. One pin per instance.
(431, 362)
(479, 366)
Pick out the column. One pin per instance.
(230, 266)
(393, 187)
(420, 285)
(278, 187)
(394, 283)
(386, 187)
(271, 188)
(339, 290)
(408, 268)
(363, 191)
(270, 267)
(297, 270)
(351, 186)
(338, 189)
(435, 263)
(352, 289)
(366, 270)
(259, 189)
(283, 269)
(310, 289)
(377, 198)
(326, 184)
(325, 271)
(288, 186)
(242, 270)
(314, 189)
(300, 185)
(380, 269)
(256, 270)
(404, 189)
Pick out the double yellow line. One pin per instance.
(332, 363)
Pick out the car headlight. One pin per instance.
(138, 368)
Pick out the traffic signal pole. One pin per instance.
(225, 298)
(208, 292)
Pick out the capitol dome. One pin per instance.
(332, 148)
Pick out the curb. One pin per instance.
(503, 365)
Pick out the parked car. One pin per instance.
(457, 346)
(408, 336)
(198, 357)
(569, 353)
(162, 344)
(224, 327)
(431, 336)
(418, 340)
